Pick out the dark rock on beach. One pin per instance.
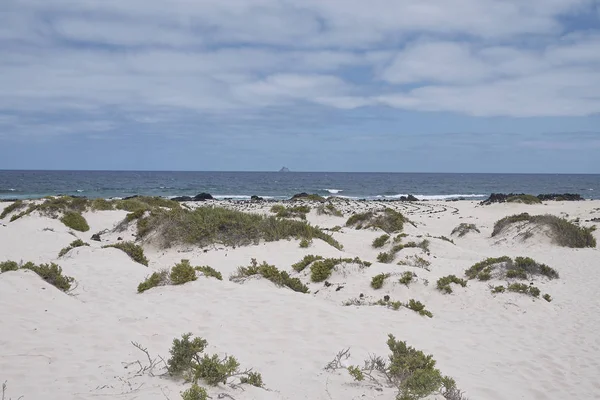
(182, 198)
(96, 237)
(560, 197)
(202, 197)
(256, 198)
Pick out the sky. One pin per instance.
(313, 85)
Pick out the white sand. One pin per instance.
(497, 347)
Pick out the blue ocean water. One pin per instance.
(279, 185)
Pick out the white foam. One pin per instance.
(334, 191)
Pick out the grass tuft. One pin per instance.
(135, 252)
(271, 273)
(75, 221)
(443, 284)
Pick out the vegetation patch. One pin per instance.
(188, 361)
(159, 278)
(271, 273)
(74, 244)
(305, 243)
(329, 209)
(209, 272)
(101, 205)
(16, 206)
(380, 241)
(305, 262)
(464, 228)
(388, 220)
(321, 270)
(75, 221)
(281, 211)
(523, 198)
(406, 369)
(209, 225)
(443, 284)
(524, 289)
(407, 278)
(388, 257)
(418, 307)
(378, 280)
(562, 232)
(51, 273)
(415, 261)
(135, 252)
(182, 273)
(505, 267)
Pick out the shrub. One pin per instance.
(137, 214)
(419, 307)
(563, 232)
(321, 269)
(464, 228)
(547, 297)
(336, 228)
(479, 267)
(135, 252)
(54, 206)
(498, 289)
(8, 266)
(290, 212)
(378, 280)
(407, 278)
(74, 244)
(209, 225)
(210, 272)
(388, 221)
(302, 264)
(304, 243)
(380, 241)
(533, 267)
(520, 268)
(360, 219)
(524, 289)
(385, 257)
(16, 206)
(195, 393)
(443, 284)
(75, 221)
(271, 273)
(101, 205)
(182, 273)
(523, 198)
(415, 261)
(329, 209)
(159, 278)
(51, 273)
(188, 361)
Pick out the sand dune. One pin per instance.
(499, 347)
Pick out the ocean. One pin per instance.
(282, 185)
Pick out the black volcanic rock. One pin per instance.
(96, 237)
(202, 197)
(560, 197)
(256, 198)
(182, 198)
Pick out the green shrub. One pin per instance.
(563, 232)
(407, 277)
(101, 205)
(182, 273)
(209, 272)
(16, 206)
(518, 288)
(479, 267)
(209, 225)
(159, 278)
(531, 266)
(75, 221)
(356, 373)
(135, 252)
(271, 273)
(54, 206)
(419, 307)
(329, 209)
(322, 269)
(380, 241)
(195, 393)
(137, 214)
(547, 297)
(520, 268)
(498, 289)
(304, 243)
(378, 280)
(8, 266)
(388, 221)
(290, 212)
(443, 284)
(464, 228)
(188, 361)
(51, 273)
(385, 257)
(302, 264)
(336, 228)
(523, 198)
(534, 291)
(74, 244)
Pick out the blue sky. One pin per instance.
(315, 85)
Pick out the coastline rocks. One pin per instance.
(202, 197)
(182, 198)
(306, 196)
(501, 197)
(410, 197)
(256, 198)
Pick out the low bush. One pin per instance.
(380, 241)
(410, 371)
(329, 209)
(524, 289)
(290, 212)
(415, 261)
(51, 273)
(209, 272)
(8, 266)
(182, 273)
(418, 307)
(74, 244)
(159, 278)
(305, 243)
(195, 393)
(547, 297)
(75, 221)
(188, 361)
(498, 289)
(443, 284)
(271, 273)
(204, 226)
(505, 267)
(135, 252)
(305, 262)
(16, 206)
(101, 205)
(562, 232)
(385, 257)
(378, 280)
(523, 198)
(388, 221)
(322, 269)
(464, 228)
(407, 277)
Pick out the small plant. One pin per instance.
(524, 289)
(51, 273)
(443, 284)
(389, 220)
(329, 209)
(305, 262)
(75, 221)
(378, 280)
(290, 212)
(74, 244)
(380, 241)
(321, 270)
(523, 198)
(135, 252)
(407, 277)
(160, 278)
(385, 257)
(479, 267)
(419, 307)
(271, 273)
(182, 273)
(209, 272)
(16, 206)
(253, 378)
(498, 289)
(101, 205)
(304, 243)
(195, 393)
(336, 228)
(356, 373)
(184, 353)
(464, 228)
(547, 297)
(8, 266)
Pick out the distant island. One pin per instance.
(284, 169)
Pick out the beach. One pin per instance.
(497, 346)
